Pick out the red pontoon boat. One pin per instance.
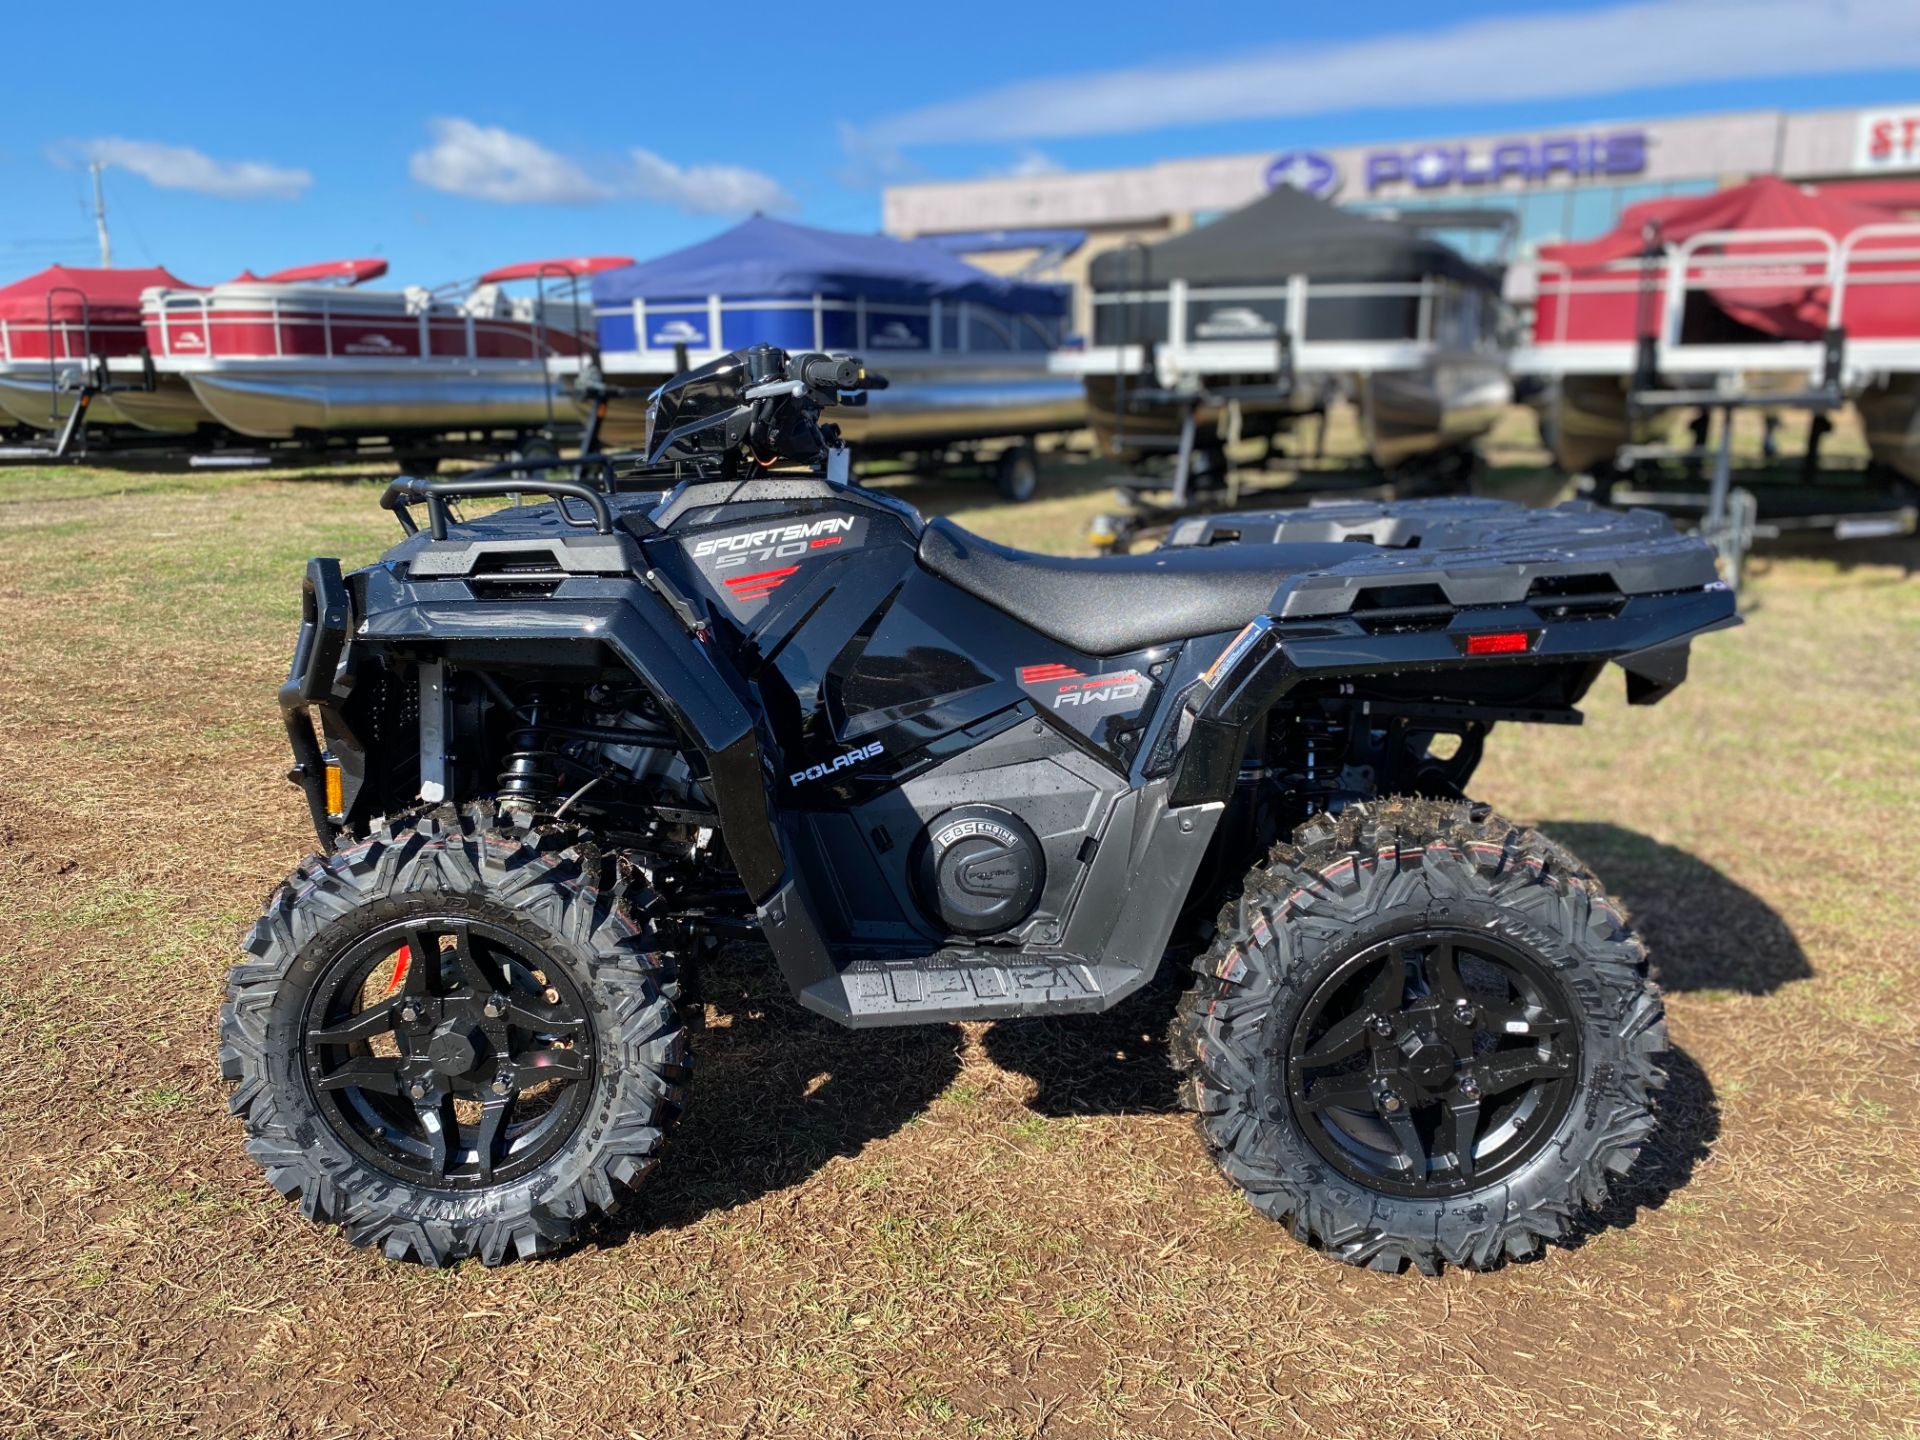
(1765, 293)
(291, 355)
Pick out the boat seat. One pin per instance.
(1119, 603)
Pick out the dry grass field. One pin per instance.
(995, 1231)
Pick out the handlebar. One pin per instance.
(824, 372)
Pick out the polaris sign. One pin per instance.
(1306, 170)
(1577, 157)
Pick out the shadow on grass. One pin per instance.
(1689, 1124)
(776, 1093)
(1706, 932)
(1110, 1064)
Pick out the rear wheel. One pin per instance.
(449, 1041)
(1422, 1035)
(1016, 474)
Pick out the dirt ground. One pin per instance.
(997, 1231)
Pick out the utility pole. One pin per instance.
(100, 215)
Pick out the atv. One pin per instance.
(711, 689)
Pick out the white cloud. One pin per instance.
(179, 167)
(1028, 161)
(705, 189)
(485, 162)
(1504, 58)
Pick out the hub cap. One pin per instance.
(448, 1053)
(1433, 1063)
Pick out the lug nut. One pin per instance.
(1469, 1086)
(1382, 1025)
(503, 1086)
(1389, 1102)
(496, 1006)
(417, 1090)
(410, 1013)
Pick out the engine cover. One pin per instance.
(980, 870)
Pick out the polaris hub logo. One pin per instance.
(1577, 157)
(837, 764)
(1306, 170)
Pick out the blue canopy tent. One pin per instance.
(769, 281)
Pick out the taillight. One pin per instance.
(1499, 642)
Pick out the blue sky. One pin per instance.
(450, 138)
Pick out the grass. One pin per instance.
(990, 1231)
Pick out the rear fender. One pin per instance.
(635, 626)
(1649, 638)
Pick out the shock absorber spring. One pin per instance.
(531, 776)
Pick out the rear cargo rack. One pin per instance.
(435, 494)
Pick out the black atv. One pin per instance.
(714, 690)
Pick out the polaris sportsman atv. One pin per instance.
(563, 746)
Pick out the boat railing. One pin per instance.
(1830, 269)
(934, 330)
(1318, 321)
(174, 312)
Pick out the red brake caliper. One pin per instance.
(402, 958)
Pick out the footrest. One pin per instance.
(952, 985)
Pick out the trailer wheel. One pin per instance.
(1016, 474)
(1422, 1035)
(448, 1040)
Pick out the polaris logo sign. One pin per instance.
(1533, 162)
(1306, 170)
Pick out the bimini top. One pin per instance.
(1785, 292)
(1288, 232)
(98, 297)
(766, 259)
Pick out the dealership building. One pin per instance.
(1558, 184)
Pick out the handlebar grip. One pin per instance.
(823, 372)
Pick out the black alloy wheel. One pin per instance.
(1433, 1062)
(447, 1053)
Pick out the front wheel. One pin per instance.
(1422, 1035)
(449, 1041)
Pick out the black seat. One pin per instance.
(1123, 602)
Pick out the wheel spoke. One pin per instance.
(493, 1125)
(1441, 966)
(1527, 1020)
(472, 971)
(433, 1112)
(1503, 1072)
(366, 1072)
(1345, 1092)
(543, 1019)
(1342, 1040)
(375, 1020)
(533, 1067)
(1462, 1129)
(1407, 1136)
(422, 963)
